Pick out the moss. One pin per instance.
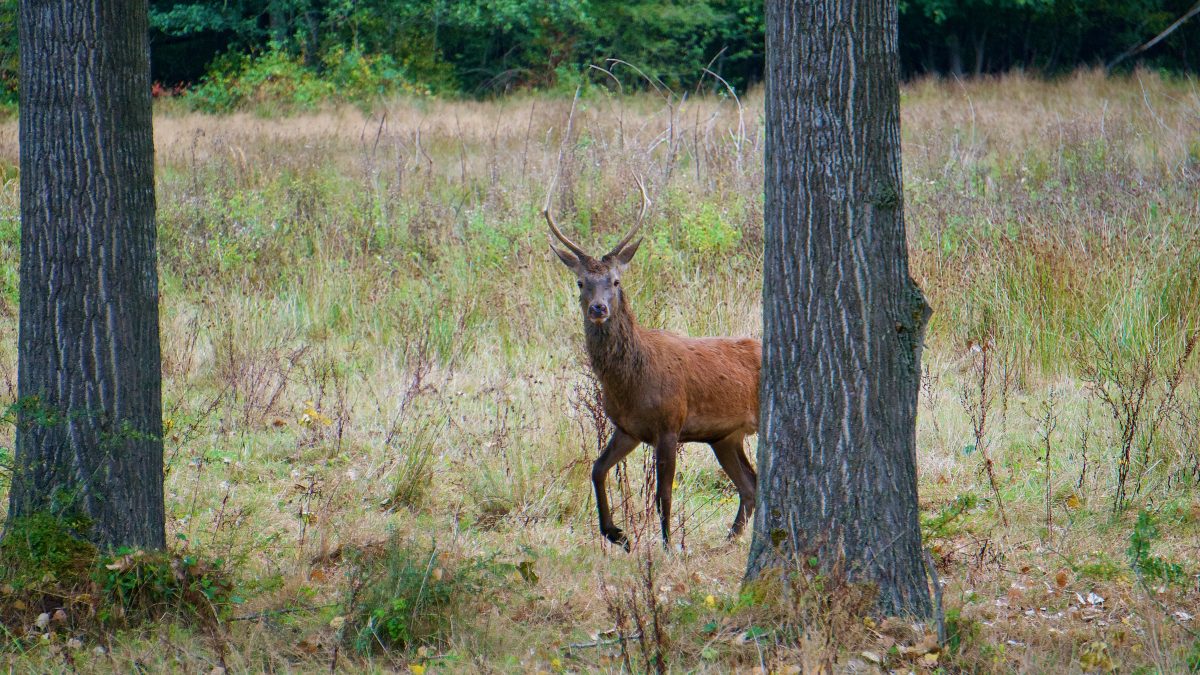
(44, 547)
(885, 196)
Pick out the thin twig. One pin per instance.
(606, 643)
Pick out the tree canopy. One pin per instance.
(483, 47)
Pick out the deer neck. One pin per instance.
(616, 350)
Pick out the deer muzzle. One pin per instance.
(597, 312)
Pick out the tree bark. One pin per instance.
(89, 426)
(954, 52)
(843, 321)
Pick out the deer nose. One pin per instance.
(598, 310)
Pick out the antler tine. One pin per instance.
(641, 218)
(575, 248)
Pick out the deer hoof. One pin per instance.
(616, 536)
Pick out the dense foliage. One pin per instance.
(353, 50)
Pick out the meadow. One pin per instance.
(380, 420)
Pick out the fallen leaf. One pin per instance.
(307, 646)
(1094, 657)
(1061, 578)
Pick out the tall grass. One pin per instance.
(367, 340)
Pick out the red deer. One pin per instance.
(659, 388)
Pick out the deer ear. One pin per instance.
(626, 254)
(567, 259)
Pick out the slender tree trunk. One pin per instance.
(843, 321)
(89, 432)
(277, 13)
(954, 52)
(312, 35)
(980, 41)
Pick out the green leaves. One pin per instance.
(1145, 564)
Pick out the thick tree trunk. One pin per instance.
(89, 434)
(843, 321)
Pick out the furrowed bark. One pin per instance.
(843, 321)
(89, 429)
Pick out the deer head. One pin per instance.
(599, 279)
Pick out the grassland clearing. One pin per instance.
(380, 417)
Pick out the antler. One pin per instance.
(575, 248)
(641, 218)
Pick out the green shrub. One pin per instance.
(138, 586)
(409, 595)
(277, 79)
(47, 564)
(708, 231)
(943, 524)
(961, 631)
(46, 548)
(274, 76)
(1145, 564)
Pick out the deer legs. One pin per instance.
(665, 451)
(731, 455)
(619, 446)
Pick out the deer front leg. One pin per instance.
(664, 461)
(619, 446)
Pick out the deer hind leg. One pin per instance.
(732, 457)
(746, 465)
(665, 451)
(619, 446)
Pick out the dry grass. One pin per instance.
(368, 346)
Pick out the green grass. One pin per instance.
(372, 358)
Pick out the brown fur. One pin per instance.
(702, 389)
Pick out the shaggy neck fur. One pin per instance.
(615, 348)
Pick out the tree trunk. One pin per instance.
(954, 50)
(843, 321)
(89, 430)
(312, 36)
(277, 16)
(980, 42)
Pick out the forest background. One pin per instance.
(227, 54)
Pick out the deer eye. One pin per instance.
(579, 284)
(616, 282)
